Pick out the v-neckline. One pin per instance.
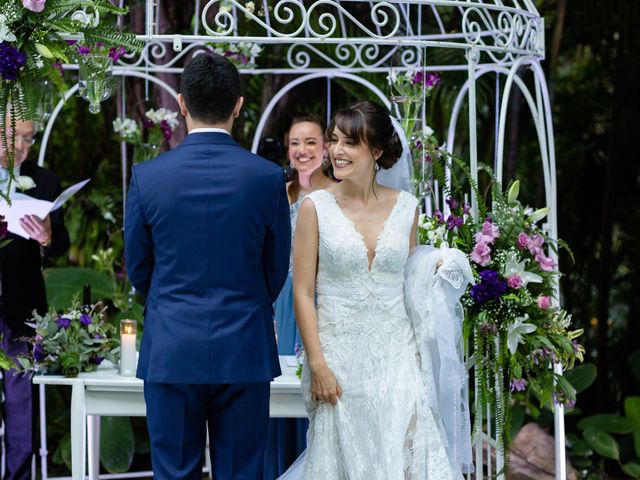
(359, 234)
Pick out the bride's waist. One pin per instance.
(361, 290)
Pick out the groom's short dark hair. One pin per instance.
(210, 86)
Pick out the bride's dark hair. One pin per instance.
(369, 122)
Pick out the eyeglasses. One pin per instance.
(26, 139)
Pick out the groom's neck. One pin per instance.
(192, 124)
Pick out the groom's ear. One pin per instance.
(183, 105)
(238, 107)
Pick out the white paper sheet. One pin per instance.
(22, 205)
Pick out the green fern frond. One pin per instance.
(112, 37)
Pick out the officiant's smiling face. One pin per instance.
(306, 146)
(24, 133)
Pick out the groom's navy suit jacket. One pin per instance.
(207, 242)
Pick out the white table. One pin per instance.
(105, 393)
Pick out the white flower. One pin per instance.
(169, 116)
(39, 62)
(125, 127)
(250, 6)
(223, 9)
(516, 330)
(5, 34)
(393, 76)
(24, 182)
(427, 131)
(255, 50)
(539, 214)
(513, 267)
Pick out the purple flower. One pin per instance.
(85, 319)
(38, 352)
(97, 336)
(518, 385)
(116, 53)
(4, 227)
(71, 42)
(489, 288)
(438, 216)
(417, 78)
(452, 202)
(481, 254)
(523, 241)
(11, 61)
(466, 208)
(546, 263)
(99, 44)
(544, 301)
(514, 281)
(34, 5)
(64, 322)
(454, 222)
(96, 359)
(147, 123)
(489, 327)
(58, 66)
(84, 50)
(488, 234)
(432, 79)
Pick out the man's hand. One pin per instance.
(39, 230)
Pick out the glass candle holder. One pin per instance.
(128, 333)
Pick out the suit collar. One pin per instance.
(199, 138)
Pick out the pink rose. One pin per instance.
(481, 254)
(544, 301)
(488, 234)
(546, 263)
(523, 240)
(535, 244)
(34, 5)
(514, 281)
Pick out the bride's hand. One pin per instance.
(324, 386)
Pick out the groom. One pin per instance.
(207, 240)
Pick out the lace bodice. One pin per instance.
(343, 256)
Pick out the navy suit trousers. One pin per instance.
(237, 416)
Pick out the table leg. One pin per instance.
(78, 430)
(93, 444)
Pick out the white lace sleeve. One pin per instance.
(431, 296)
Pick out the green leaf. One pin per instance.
(116, 444)
(517, 419)
(632, 410)
(5, 361)
(636, 442)
(603, 443)
(632, 469)
(63, 283)
(65, 450)
(607, 422)
(582, 376)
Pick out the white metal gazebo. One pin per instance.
(332, 39)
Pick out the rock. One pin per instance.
(532, 456)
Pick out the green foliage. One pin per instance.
(582, 376)
(116, 444)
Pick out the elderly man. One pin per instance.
(22, 291)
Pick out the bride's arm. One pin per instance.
(324, 386)
(413, 239)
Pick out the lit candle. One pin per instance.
(128, 329)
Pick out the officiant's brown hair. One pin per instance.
(210, 86)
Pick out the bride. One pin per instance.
(368, 386)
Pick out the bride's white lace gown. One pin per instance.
(381, 427)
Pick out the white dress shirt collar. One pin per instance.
(209, 130)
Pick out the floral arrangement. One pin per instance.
(158, 126)
(243, 54)
(409, 91)
(33, 47)
(512, 320)
(75, 341)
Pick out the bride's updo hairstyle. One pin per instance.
(369, 122)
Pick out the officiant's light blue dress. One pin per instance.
(287, 437)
